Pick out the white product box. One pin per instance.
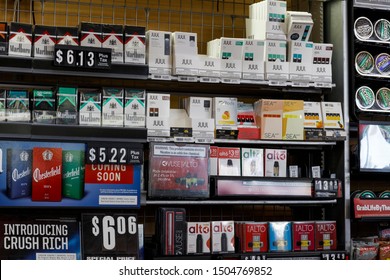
(157, 114)
(199, 107)
(198, 237)
(90, 34)
(299, 25)
(268, 114)
(185, 43)
(253, 60)
(203, 129)
(293, 119)
(112, 111)
(44, 41)
(313, 115)
(265, 30)
(179, 119)
(225, 111)
(113, 39)
(275, 163)
(209, 66)
(322, 63)
(300, 58)
(229, 161)
(213, 160)
(159, 52)
(20, 39)
(135, 47)
(332, 115)
(276, 67)
(135, 108)
(185, 65)
(90, 107)
(252, 162)
(222, 237)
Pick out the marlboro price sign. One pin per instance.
(110, 237)
(102, 153)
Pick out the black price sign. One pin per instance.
(113, 154)
(333, 256)
(82, 57)
(110, 236)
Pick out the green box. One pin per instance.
(73, 170)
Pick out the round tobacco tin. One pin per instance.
(365, 98)
(367, 194)
(363, 28)
(382, 29)
(385, 194)
(364, 62)
(383, 98)
(382, 63)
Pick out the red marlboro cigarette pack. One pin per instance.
(326, 235)
(47, 174)
(303, 236)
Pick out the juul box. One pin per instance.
(47, 174)
(44, 41)
(17, 107)
(20, 39)
(135, 107)
(280, 236)
(2, 104)
(293, 119)
(113, 39)
(73, 174)
(157, 114)
(112, 113)
(3, 38)
(299, 25)
(67, 35)
(185, 54)
(276, 65)
(90, 107)
(159, 52)
(198, 238)
(19, 174)
(303, 236)
(253, 60)
(222, 237)
(44, 106)
(90, 35)
(199, 107)
(268, 114)
(255, 237)
(171, 228)
(231, 55)
(326, 235)
(135, 47)
(322, 63)
(275, 163)
(300, 58)
(66, 105)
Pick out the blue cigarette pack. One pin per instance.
(19, 176)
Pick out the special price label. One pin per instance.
(110, 236)
(99, 153)
(82, 57)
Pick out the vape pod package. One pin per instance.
(67, 106)
(73, 170)
(255, 237)
(275, 163)
(159, 52)
(253, 59)
(2, 104)
(20, 39)
(293, 120)
(90, 107)
(67, 36)
(198, 238)
(299, 25)
(222, 237)
(280, 237)
(44, 106)
(252, 162)
(19, 173)
(185, 60)
(112, 112)
(171, 229)
(113, 39)
(326, 235)
(332, 115)
(229, 161)
(268, 114)
(158, 114)
(3, 38)
(135, 108)
(17, 106)
(44, 41)
(179, 171)
(47, 174)
(303, 236)
(135, 46)
(91, 34)
(225, 112)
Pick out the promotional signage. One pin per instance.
(39, 239)
(82, 57)
(371, 207)
(114, 154)
(110, 237)
(56, 174)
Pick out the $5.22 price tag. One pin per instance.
(110, 236)
(113, 154)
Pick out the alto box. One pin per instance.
(326, 235)
(47, 174)
(229, 161)
(255, 235)
(303, 236)
(252, 162)
(275, 163)
(198, 238)
(19, 165)
(280, 236)
(172, 230)
(222, 237)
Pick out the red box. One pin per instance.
(249, 133)
(303, 236)
(255, 237)
(229, 161)
(326, 235)
(47, 174)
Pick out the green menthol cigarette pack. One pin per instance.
(90, 107)
(73, 169)
(2, 105)
(44, 109)
(67, 105)
(135, 108)
(112, 114)
(17, 106)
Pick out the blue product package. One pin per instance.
(19, 175)
(280, 236)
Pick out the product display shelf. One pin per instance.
(309, 202)
(303, 144)
(58, 132)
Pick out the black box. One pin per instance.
(3, 38)
(113, 39)
(172, 230)
(44, 41)
(67, 36)
(91, 34)
(20, 39)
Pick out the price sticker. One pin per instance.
(113, 154)
(82, 57)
